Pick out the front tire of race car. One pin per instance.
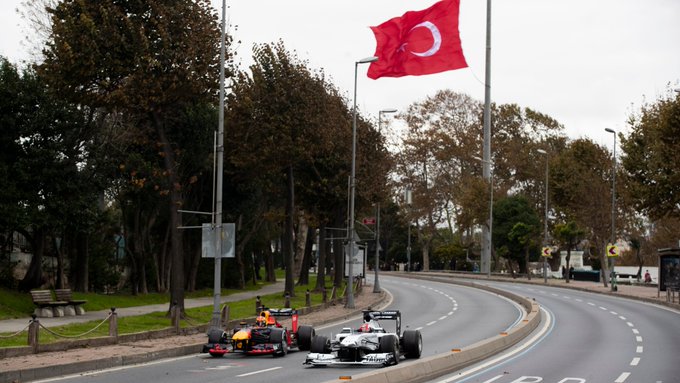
(280, 337)
(413, 344)
(390, 344)
(304, 337)
(215, 335)
(320, 345)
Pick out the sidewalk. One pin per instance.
(14, 325)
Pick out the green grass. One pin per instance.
(159, 320)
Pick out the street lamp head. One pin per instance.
(368, 60)
(610, 130)
(388, 111)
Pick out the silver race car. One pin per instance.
(369, 345)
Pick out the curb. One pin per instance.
(437, 365)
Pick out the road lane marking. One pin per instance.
(523, 348)
(629, 324)
(635, 361)
(579, 300)
(622, 378)
(450, 313)
(603, 308)
(431, 323)
(622, 317)
(614, 313)
(258, 372)
(442, 318)
(638, 338)
(635, 331)
(591, 303)
(639, 349)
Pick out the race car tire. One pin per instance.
(413, 344)
(279, 336)
(320, 345)
(216, 335)
(304, 337)
(390, 344)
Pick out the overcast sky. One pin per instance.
(587, 63)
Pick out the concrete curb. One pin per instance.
(437, 365)
(47, 372)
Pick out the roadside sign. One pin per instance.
(546, 251)
(369, 221)
(612, 251)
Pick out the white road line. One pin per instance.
(442, 318)
(635, 331)
(638, 338)
(622, 378)
(639, 349)
(629, 324)
(565, 297)
(603, 308)
(579, 300)
(614, 313)
(555, 295)
(258, 372)
(622, 317)
(591, 303)
(521, 348)
(419, 328)
(635, 361)
(431, 323)
(450, 313)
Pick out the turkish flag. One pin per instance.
(419, 43)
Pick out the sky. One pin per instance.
(587, 63)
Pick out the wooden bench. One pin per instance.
(47, 306)
(65, 295)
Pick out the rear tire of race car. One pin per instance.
(390, 344)
(280, 337)
(216, 335)
(304, 337)
(413, 344)
(320, 345)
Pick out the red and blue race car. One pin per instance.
(266, 336)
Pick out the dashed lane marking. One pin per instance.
(622, 378)
(258, 372)
(635, 361)
(639, 350)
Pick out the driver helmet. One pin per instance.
(365, 328)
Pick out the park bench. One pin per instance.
(65, 295)
(48, 307)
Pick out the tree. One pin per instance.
(651, 157)
(148, 59)
(569, 234)
(581, 191)
(515, 230)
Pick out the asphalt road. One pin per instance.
(448, 316)
(587, 338)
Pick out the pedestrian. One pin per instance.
(648, 277)
(571, 272)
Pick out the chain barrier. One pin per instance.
(16, 333)
(76, 336)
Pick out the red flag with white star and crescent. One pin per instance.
(419, 43)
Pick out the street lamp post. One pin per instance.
(545, 223)
(376, 284)
(350, 234)
(408, 199)
(613, 238)
(486, 249)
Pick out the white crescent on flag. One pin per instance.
(436, 36)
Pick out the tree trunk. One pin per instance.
(303, 280)
(177, 272)
(567, 275)
(34, 277)
(60, 282)
(338, 254)
(289, 227)
(321, 262)
(82, 270)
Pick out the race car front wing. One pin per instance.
(377, 359)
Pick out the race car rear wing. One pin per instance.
(394, 315)
(287, 312)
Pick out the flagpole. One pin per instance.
(486, 172)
